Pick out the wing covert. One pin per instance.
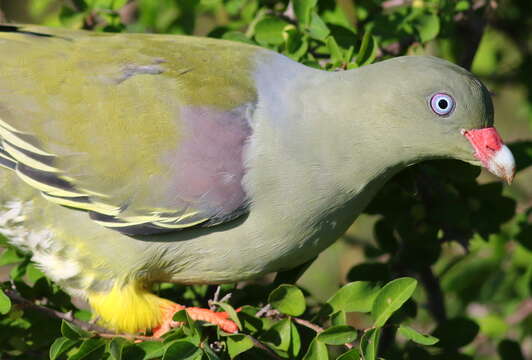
(148, 138)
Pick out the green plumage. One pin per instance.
(273, 159)
(55, 101)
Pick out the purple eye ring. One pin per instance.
(442, 104)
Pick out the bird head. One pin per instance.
(441, 110)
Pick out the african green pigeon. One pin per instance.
(136, 158)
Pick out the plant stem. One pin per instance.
(436, 302)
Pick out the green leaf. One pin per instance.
(233, 7)
(5, 303)
(338, 335)
(237, 36)
(116, 347)
(106, 4)
(296, 46)
(33, 273)
(250, 323)
(368, 50)
(369, 344)
(493, 326)
(279, 335)
(182, 350)
(462, 5)
(303, 8)
(288, 299)
(190, 329)
(231, 312)
(19, 270)
(10, 256)
(249, 10)
(237, 344)
(338, 318)
(181, 316)
(295, 341)
(72, 331)
(60, 346)
(152, 349)
(334, 49)
(427, 26)
(417, 337)
(353, 354)
(316, 351)
(70, 18)
(89, 349)
(269, 31)
(317, 28)
(357, 296)
(391, 297)
(4, 242)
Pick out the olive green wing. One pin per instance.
(145, 132)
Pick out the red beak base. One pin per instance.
(491, 152)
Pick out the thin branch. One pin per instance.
(395, 3)
(17, 298)
(436, 302)
(308, 324)
(129, 12)
(97, 330)
(215, 298)
(264, 311)
(318, 329)
(523, 311)
(259, 345)
(396, 48)
(132, 338)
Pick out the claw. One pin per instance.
(221, 319)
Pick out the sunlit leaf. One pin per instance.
(338, 335)
(270, 31)
(369, 344)
(303, 9)
(353, 354)
(237, 344)
(5, 303)
(428, 26)
(317, 28)
(316, 351)
(416, 336)
(288, 299)
(356, 296)
(391, 297)
(72, 331)
(60, 346)
(182, 350)
(90, 348)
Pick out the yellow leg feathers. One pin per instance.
(128, 308)
(131, 308)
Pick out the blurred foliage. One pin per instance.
(451, 257)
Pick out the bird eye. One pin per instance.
(442, 104)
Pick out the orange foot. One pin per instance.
(221, 319)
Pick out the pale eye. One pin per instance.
(442, 104)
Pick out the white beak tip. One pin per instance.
(502, 164)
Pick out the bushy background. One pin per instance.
(440, 265)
